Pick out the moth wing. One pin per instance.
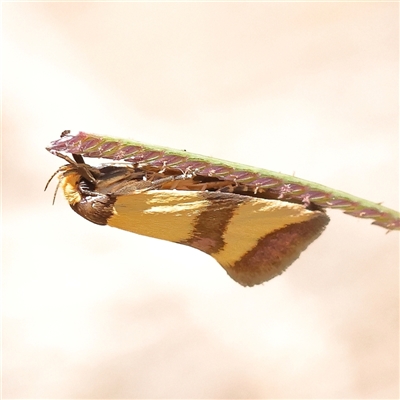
(254, 239)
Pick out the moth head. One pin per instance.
(71, 175)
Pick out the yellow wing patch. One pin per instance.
(160, 214)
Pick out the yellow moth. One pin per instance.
(253, 237)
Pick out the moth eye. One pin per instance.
(85, 185)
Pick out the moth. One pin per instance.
(253, 222)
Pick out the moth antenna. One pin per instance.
(51, 178)
(55, 193)
(79, 163)
(66, 158)
(58, 184)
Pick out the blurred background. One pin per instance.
(304, 88)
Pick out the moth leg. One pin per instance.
(144, 185)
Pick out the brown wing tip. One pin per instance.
(277, 251)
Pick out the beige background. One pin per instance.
(93, 312)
